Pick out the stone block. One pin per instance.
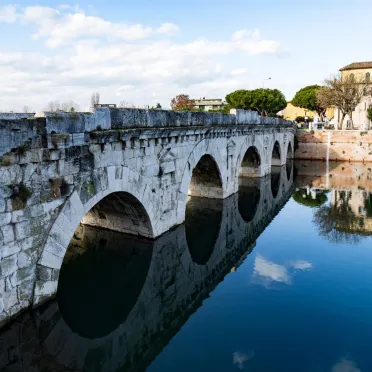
(46, 288)
(7, 233)
(5, 218)
(55, 248)
(2, 205)
(22, 230)
(50, 260)
(9, 249)
(10, 298)
(27, 257)
(47, 274)
(25, 290)
(5, 192)
(18, 216)
(8, 265)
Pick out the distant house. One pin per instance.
(208, 104)
(362, 71)
(292, 112)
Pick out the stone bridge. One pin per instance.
(143, 304)
(126, 170)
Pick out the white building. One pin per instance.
(207, 104)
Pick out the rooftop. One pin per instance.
(356, 66)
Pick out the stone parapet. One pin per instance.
(16, 129)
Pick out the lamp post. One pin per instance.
(263, 87)
(263, 82)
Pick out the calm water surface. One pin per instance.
(251, 283)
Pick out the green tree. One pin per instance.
(269, 100)
(307, 98)
(369, 113)
(158, 106)
(301, 197)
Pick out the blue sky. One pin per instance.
(146, 52)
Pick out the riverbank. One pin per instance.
(350, 145)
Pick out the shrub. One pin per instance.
(369, 113)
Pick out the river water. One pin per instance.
(275, 278)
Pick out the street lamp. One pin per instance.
(263, 87)
(263, 82)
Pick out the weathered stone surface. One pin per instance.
(128, 170)
(8, 265)
(175, 283)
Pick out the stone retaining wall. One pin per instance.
(339, 145)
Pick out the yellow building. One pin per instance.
(292, 112)
(362, 71)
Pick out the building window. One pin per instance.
(352, 76)
(368, 77)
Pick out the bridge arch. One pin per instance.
(138, 218)
(251, 163)
(206, 179)
(276, 155)
(250, 147)
(202, 156)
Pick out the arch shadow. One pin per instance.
(101, 279)
(249, 195)
(206, 179)
(120, 211)
(276, 160)
(251, 163)
(202, 227)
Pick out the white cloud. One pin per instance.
(301, 265)
(8, 14)
(240, 358)
(136, 62)
(345, 365)
(266, 272)
(168, 28)
(271, 270)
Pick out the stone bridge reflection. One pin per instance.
(121, 299)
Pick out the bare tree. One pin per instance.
(124, 104)
(343, 92)
(67, 106)
(94, 100)
(53, 106)
(70, 106)
(26, 109)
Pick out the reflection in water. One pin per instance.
(344, 214)
(288, 167)
(249, 197)
(337, 221)
(121, 298)
(239, 359)
(266, 272)
(275, 180)
(203, 222)
(345, 365)
(101, 279)
(310, 197)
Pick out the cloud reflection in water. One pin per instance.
(266, 272)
